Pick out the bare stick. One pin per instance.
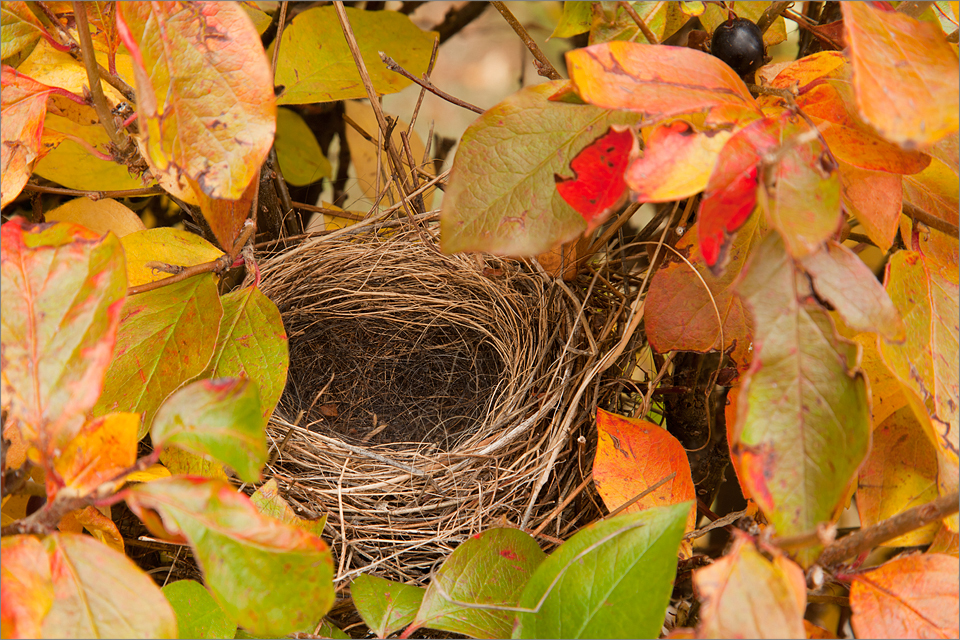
(931, 221)
(94, 195)
(771, 14)
(214, 266)
(866, 539)
(913, 9)
(649, 35)
(640, 496)
(426, 84)
(544, 68)
(456, 19)
(119, 139)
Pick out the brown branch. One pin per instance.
(214, 266)
(119, 138)
(426, 84)
(456, 19)
(649, 35)
(919, 215)
(544, 68)
(913, 9)
(326, 211)
(771, 14)
(94, 195)
(910, 520)
(640, 496)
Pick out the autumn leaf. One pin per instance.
(28, 587)
(63, 290)
(597, 187)
(270, 577)
(206, 106)
(745, 594)
(385, 606)
(659, 82)
(875, 199)
(633, 455)
(501, 197)
(104, 448)
(803, 422)
(905, 75)
(679, 313)
(23, 106)
(909, 597)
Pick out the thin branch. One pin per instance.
(326, 211)
(913, 9)
(544, 68)
(456, 19)
(640, 496)
(119, 139)
(94, 195)
(771, 14)
(426, 84)
(214, 266)
(919, 215)
(910, 520)
(649, 35)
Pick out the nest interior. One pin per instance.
(429, 397)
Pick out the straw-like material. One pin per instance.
(436, 395)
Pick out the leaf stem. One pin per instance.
(866, 539)
(544, 68)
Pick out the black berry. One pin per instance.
(739, 43)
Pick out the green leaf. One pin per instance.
(301, 159)
(166, 337)
(220, 418)
(198, 614)
(270, 577)
(315, 64)
(100, 593)
(574, 20)
(613, 579)
(63, 287)
(501, 196)
(489, 569)
(252, 344)
(803, 418)
(385, 606)
(206, 107)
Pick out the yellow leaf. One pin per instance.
(167, 246)
(99, 216)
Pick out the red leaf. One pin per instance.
(24, 106)
(598, 187)
(731, 194)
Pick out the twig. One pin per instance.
(119, 139)
(919, 215)
(276, 47)
(563, 505)
(544, 68)
(214, 266)
(426, 84)
(94, 195)
(771, 14)
(649, 35)
(719, 523)
(913, 9)
(813, 28)
(456, 19)
(273, 164)
(326, 211)
(866, 539)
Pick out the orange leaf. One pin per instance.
(935, 190)
(825, 64)
(104, 447)
(875, 200)
(910, 597)
(745, 595)
(633, 455)
(677, 162)
(659, 82)
(225, 217)
(24, 105)
(100, 526)
(905, 75)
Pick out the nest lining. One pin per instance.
(434, 394)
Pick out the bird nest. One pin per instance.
(429, 397)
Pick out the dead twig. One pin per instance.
(544, 68)
(426, 84)
(456, 19)
(649, 35)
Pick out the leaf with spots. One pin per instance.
(501, 197)
(490, 568)
(385, 606)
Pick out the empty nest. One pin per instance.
(429, 397)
